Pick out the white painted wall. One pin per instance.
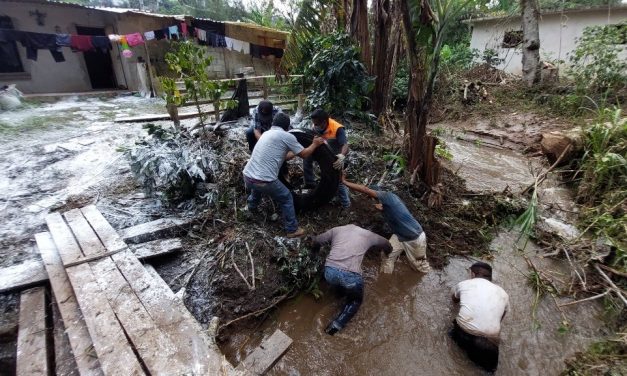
(558, 34)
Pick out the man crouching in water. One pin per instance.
(482, 307)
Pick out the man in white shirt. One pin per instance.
(482, 306)
(261, 173)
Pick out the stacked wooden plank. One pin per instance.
(119, 319)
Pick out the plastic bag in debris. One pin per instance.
(10, 97)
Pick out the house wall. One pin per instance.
(558, 35)
(47, 76)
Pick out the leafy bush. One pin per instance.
(166, 163)
(299, 265)
(338, 80)
(457, 57)
(491, 57)
(400, 86)
(596, 64)
(603, 189)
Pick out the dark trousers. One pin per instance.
(351, 286)
(482, 351)
(250, 137)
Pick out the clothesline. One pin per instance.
(206, 32)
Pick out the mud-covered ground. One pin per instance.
(66, 154)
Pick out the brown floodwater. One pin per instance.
(401, 328)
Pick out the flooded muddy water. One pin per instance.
(401, 328)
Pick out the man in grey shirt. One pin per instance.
(262, 170)
(342, 268)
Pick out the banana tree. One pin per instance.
(426, 23)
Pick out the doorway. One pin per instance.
(99, 63)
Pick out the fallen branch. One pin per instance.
(541, 277)
(613, 271)
(586, 299)
(614, 287)
(543, 175)
(574, 267)
(252, 264)
(239, 271)
(279, 300)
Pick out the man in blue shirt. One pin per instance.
(408, 235)
(261, 122)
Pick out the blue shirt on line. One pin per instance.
(398, 217)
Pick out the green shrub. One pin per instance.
(596, 64)
(400, 86)
(457, 57)
(338, 81)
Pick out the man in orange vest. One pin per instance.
(335, 136)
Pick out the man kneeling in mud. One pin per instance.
(342, 268)
(482, 307)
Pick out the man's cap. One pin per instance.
(281, 120)
(264, 110)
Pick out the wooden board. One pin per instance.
(268, 352)
(156, 350)
(76, 329)
(64, 362)
(33, 272)
(32, 355)
(151, 230)
(168, 312)
(21, 276)
(110, 343)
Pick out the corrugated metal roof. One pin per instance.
(548, 13)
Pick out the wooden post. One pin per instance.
(301, 102)
(152, 85)
(264, 87)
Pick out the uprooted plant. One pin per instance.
(169, 164)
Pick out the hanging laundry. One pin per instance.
(174, 32)
(160, 34)
(101, 43)
(209, 26)
(215, 40)
(63, 40)
(184, 29)
(33, 42)
(81, 43)
(149, 35)
(114, 37)
(240, 46)
(134, 39)
(229, 42)
(255, 50)
(202, 37)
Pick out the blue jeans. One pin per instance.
(280, 194)
(310, 178)
(250, 138)
(351, 286)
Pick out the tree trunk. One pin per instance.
(531, 42)
(359, 31)
(387, 50)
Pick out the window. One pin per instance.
(512, 39)
(9, 57)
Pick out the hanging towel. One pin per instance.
(63, 40)
(229, 42)
(160, 34)
(81, 43)
(149, 35)
(174, 32)
(134, 39)
(240, 46)
(102, 43)
(202, 37)
(184, 28)
(114, 38)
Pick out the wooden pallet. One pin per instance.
(118, 318)
(107, 314)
